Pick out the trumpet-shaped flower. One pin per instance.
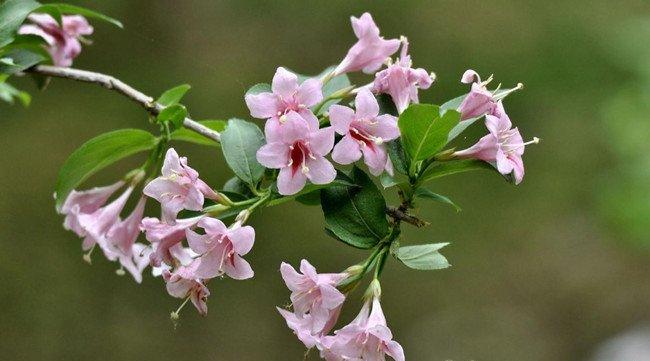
(165, 237)
(504, 145)
(179, 187)
(221, 249)
(62, 41)
(299, 153)
(370, 51)
(85, 202)
(480, 100)
(364, 133)
(286, 96)
(367, 337)
(183, 283)
(401, 81)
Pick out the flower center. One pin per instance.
(298, 154)
(362, 136)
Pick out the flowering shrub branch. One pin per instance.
(319, 132)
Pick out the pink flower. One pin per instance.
(183, 283)
(221, 249)
(120, 242)
(503, 145)
(364, 133)
(401, 81)
(479, 101)
(316, 301)
(299, 153)
(367, 337)
(95, 225)
(166, 236)
(85, 202)
(287, 96)
(370, 51)
(63, 41)
(179, 187)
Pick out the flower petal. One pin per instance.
(285, 83)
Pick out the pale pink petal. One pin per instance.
(199, 243)
(285, 83)
(242, 239)
(375, 158)
(331, 296)
(366, 104)
(294, 128)
(262, 105)
(213, 226)
(322, 141)
(309, 93)
(386, 127)
(239, 270)
(340, 118)
(321, 171)
(290, 182)
(470, 76)
(273, 155)
(291, 277)
(346, 151)
(209, 264)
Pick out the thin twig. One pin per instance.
(400, 215)
(110, 82)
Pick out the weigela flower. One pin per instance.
(480, 100)
(179, 187)
(299, 153)
(221, 248)
(503, 146)
(316, 301)
(165, 236)
(95, 225)
(85, 202)
(364, 133)
(286, 96)
(401, 81)
(370, 51)
(367, 337)
(63, 41)
(183, 283)
(120, 243)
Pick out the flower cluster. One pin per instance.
(311, 124)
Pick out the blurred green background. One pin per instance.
(544, 271)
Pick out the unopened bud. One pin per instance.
(354, 270)
(87, 259)
(242, 217)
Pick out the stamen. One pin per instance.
(488, 81)
(86, 256)
(433, 76)
(120, 271)
(508, 92)
(283, 118)
(305, 169)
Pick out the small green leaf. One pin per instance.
(401, 161)
(71, 9)
(186, 135)
(20, 59)
(240, 142)
(460, 127)
(356, 215)
(173, 95)
(97, 154)
(423, 257)
(427, 194)
(442, 169)
(174, 114)
(259, 88)
(12, 15)
(425, 129)
(8, 94)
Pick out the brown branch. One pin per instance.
(111, 83)
(400, 215)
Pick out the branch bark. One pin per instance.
(400, 215)
(112, 83)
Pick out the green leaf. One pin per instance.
(12, 15)
(186, 135)
(236, 185)
(401, 161)
(174, 114)
(19, 60)
(425, 129)
(356, 215)
(240, 142)
(460, 127)
(423, 257)
(259, 88)
(427, 194)
(71, 9)
(8, 94)
(173, 95)
(453, 104)
(442, 169)
(97, 154)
